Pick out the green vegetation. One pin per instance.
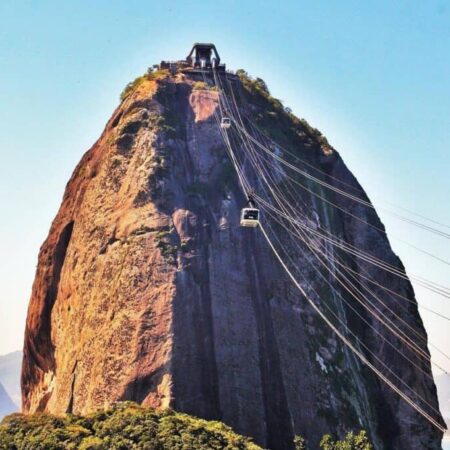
(126, 426)
(164, 123)
(166, 246)
(131, 86)
(151, 74)
(299, 443)
(351, 441)
(274, 118)
(184, 246)
(199, 85)
(166, 96)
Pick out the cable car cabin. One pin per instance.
(250, 217)
(225, 123)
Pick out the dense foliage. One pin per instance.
(274, 118)
(150, 75)
(351, 441)
(126, 426)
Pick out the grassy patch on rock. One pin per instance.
(156, 75)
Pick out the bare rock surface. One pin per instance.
(148, 290)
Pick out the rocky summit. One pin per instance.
(147, 289)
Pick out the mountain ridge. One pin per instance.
(7, 406)
(10, 368)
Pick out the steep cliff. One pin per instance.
(148, 290)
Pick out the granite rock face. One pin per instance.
(148, 290)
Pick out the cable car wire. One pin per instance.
(360, 190)
(341, 336)
(379, 285)
(366, 203)
(345, 211)
(409, 342)
(372, 354)
(337, 190)
(435, 287)
(353, 290)
(349, 344)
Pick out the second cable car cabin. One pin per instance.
(225, 123)
(250, 214)
(250, 217)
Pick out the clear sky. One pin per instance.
(372, 76)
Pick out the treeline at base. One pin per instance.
(130, 426)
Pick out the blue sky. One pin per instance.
(372, 76)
